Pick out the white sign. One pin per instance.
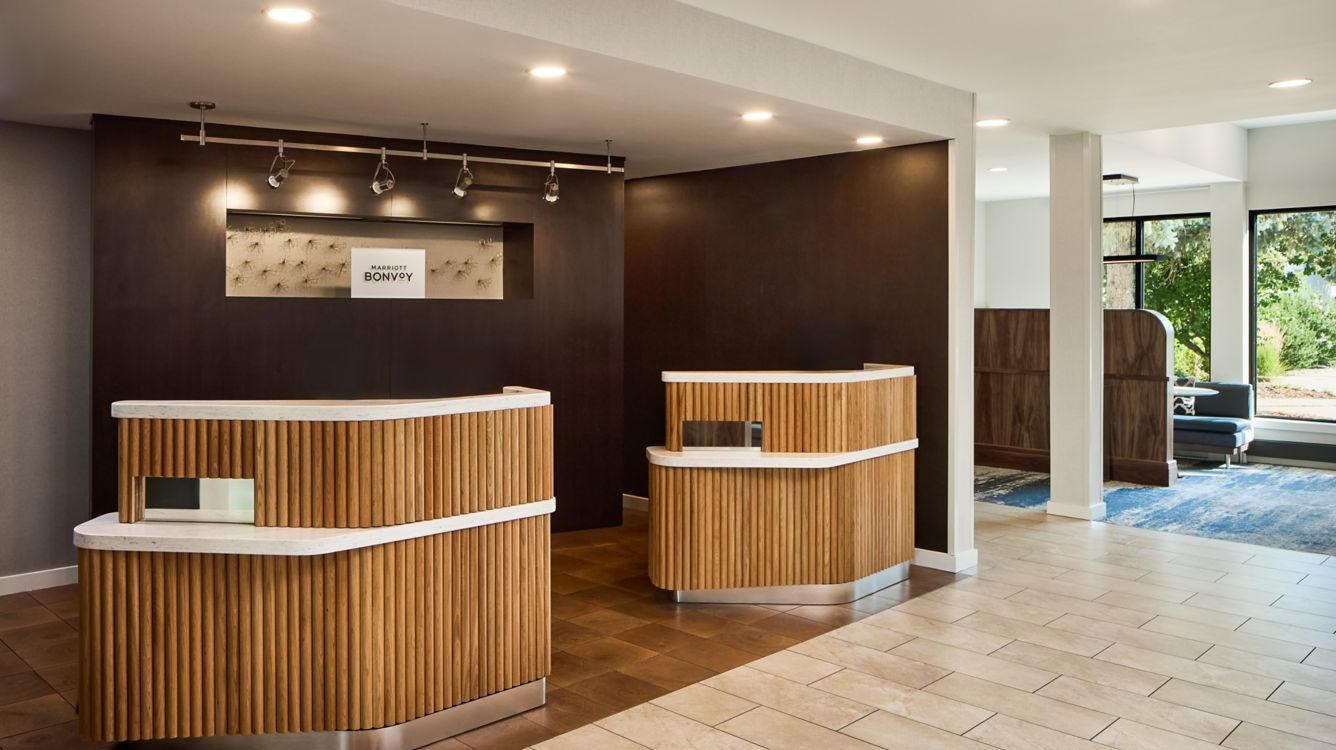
(386, 272)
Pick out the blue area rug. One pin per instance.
(1276, 506)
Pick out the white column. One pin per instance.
(1231, 334)
(1076, 327)
(961, 553)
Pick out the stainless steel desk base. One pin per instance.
(823, 593)
(411, 734)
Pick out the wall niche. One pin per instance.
(303, 256)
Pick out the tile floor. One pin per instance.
(1072, 635)
(615, 642)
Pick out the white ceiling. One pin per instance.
(1113, 66)
(378, 68)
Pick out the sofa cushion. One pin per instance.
(1224, 440)
(1201, 423)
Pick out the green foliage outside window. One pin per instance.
(1296, 269)
(1179, 286)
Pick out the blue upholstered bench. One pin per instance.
(1222, 424)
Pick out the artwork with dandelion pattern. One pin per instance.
(310, 256)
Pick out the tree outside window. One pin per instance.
(1296, 313)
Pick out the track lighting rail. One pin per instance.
(289, 146)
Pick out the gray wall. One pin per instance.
(44, 343)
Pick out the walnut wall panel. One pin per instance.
(801, 417)
(1011, 393)
(177, 645)
(736, 528)
(351, 474)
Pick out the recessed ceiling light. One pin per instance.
(1290, 83)
(868, 140)
(759, 116)
(547, 71)
(993, 122)
(288, 15)
(997, 169)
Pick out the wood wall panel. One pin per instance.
(163, 327)
(804, 264)
(1011, 393)
(351, 474)
(734, 528)
(801, 417)
(176, 645)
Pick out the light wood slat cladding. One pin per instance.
(801, 417)
(351, 474)
(177, 645)
(218, 448)
(735, 528)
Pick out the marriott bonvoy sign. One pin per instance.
(387, 272)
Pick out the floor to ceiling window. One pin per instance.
(1295, 311)
(1178, 284)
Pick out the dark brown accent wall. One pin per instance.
(164, 329)
(819, 263)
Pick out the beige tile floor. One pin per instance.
(1071, 635)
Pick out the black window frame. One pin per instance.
(1252, 297)
(1139, 239)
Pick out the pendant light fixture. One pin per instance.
(464, 180)
(383, 180)
(280, 167)
(551, 189)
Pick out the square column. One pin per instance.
(1231, 334)
(1076, 327)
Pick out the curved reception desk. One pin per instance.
(383, 581)
(784, 487)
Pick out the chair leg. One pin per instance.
(1243, 458)
(1226, 462)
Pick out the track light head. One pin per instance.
(383, 180)
(551, 189)
(464, 180)
(279, 168)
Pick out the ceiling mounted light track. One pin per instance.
(395, 152)
(383, 180)
(202, 107)
(280, 167)
(551, 189)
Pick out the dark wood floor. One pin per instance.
(616, 643)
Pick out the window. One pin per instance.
(1294, 306)
(1177, 286)
(715, 434)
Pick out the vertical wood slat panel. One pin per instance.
(734, 528)
(181, 644)
(800, 417)
(308, 473)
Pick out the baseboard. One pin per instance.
(38, 579)
(635, 502)
(1095, 512)
(1142, 471)
(1290, 462)
(1011, 457)
(950, 562)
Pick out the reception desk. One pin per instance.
(389, 586)
(784, 487)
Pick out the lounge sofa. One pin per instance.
(1221, 425)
